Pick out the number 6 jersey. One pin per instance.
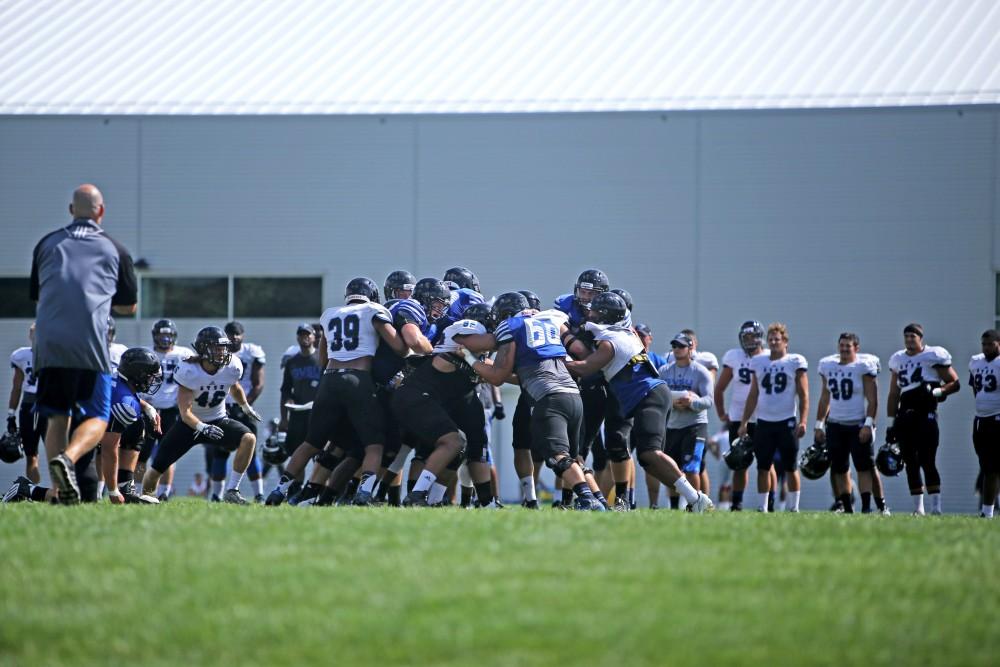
(350, 330)
(210, 390)
(776, 377)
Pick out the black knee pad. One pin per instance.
(560, 466)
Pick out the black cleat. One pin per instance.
(19, 491)
(63, 473)
(415, 499)
(274, 498)
(530, 504)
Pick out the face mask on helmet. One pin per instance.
(433, 296)
(590, 283)
(508, 305)
(751, 336)
(164, 334)
(399, 285)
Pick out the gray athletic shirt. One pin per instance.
(77, 274)
(695, 378)
(548, 376)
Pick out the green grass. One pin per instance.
(192, 583)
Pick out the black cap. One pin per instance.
(306, 327)
(680, 340)
(644, 329)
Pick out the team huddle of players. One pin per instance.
(374, 383)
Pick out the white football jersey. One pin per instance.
(706, 359)
(739, 361)
(776, 385)
(983, 378)
(846, 385)
(249, 354)
(166, 396)
(911, 371)
(350, 330)
(22, 358)
(462, 327)
(623, 339)
(115, 352)
(210, 390)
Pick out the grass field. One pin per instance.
(192, 583)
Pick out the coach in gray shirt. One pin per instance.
(691, 390)
(79, 275)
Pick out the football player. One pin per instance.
(641, 395)
(21, 419)
(252, 358)
(164, 333)
(438, 403)
(845, 420)
(691, 392)
(736, 367)
(984, 375)
(203, 382)
(531, 347)
(527, 461)
(922, 377)
(300, 382)
(777, 379)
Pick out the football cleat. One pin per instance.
(63, 473)
(415, 499)
(258, 499)
(530, 504)
(494, 504)
(362, 498)
(275, 498)
(233, 497)
(163, 497)
(702, 504)
(885, 511)
(588, 505)
(621, 505)
(215, 498)
(19, 491)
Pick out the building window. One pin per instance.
(185, 297)
(277, 297)
(14, 299)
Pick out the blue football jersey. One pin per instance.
(125, 407)
(536, 337)
(460, 300)
(386, 362)
(577, 314)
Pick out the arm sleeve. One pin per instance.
(128, 291)
(706, 389)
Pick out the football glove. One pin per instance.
(498, 411)
(250, 412)
(11, 424)
(210, 431)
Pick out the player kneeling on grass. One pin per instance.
(641, 394)
(530, 346)
(204, 381)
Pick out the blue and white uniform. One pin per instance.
(125, 406)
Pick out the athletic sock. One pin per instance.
(866, 503)
(684, 488)
(217, 487)
(792, 501)
(600, 497)
(988, 511)
(737, 499)
(935, 501)
(484, 491)
(467, 492)
(918, 503)
(675, 502)
(763, 498)
(162, 490)
(770, 501)
(425, 480)
(125, 476)
(258, 486)
(567, 495)
(393, 497)
(100, 489)
(411, 484)
(234, 480)
(880, 503)
(368, 480)
(582, 490)
(436, 494)
(847, 503)
(631, 497)
(528, 488)
(284, 483)
(621, 491)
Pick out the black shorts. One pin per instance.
(595, 399)
(298, 428)
(617, 432)
(31, 426)
(168, 417)
(686, 446)
(346, 396)
(521, 422)
(422, 414)
(181, 438)
(771, 437)
(649, 420)
(74, 391)
(557, 425)
(986, 440)
(844, 443)
(236, 412)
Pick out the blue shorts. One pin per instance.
(686, 446)
(74, 392)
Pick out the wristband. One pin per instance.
(199, 427)
(470, 358)
(149, 411)
(820, 424)
(870, 422)
(11, 412)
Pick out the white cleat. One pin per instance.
(702, 504)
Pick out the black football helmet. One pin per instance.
(482, 313)
(751, 336)
(592, 279)
(608, 308)
(432, 294)
(462, 277)
(740, 454)
(164, 334)
(507, 305)
(398, 281)
(361, 287)
(889, 459)
(11, 449)
(213, 346)
(533, 300)
(273, 451)
(626, 297)
(815, 461)
(141, 367)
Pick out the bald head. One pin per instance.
(88, 202)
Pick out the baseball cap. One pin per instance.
(680, 340)
(644, 329)
(304, 327)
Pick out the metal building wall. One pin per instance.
(826, 220)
